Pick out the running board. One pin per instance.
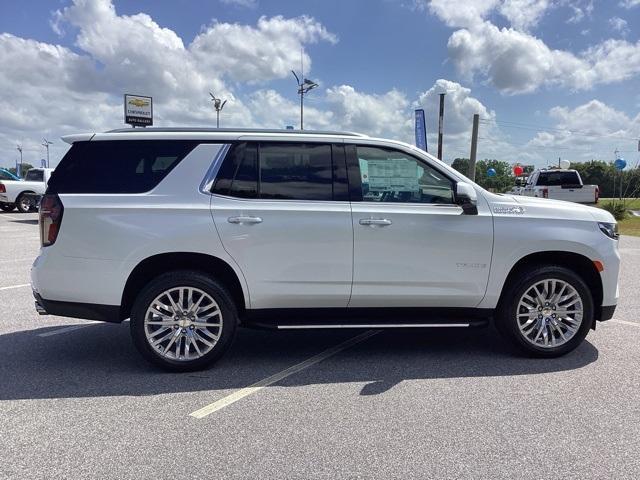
(374, 325)
(328, 326)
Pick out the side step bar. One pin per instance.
(328, 326)
(374, 325)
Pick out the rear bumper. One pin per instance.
(87, 311)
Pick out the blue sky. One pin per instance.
(550, 78)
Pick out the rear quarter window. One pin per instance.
(117, 166)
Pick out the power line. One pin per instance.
(540, 129)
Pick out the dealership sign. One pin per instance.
(138, 110)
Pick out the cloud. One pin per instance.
(52, 90)
(521, 14)
(245, 53)
(241, 3)
(629, 3)
(619, 25)
(516, 62)
(591, 130)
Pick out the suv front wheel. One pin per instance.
(183, 321)
(547, 311)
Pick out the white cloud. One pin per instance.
(463, 14)
(51, 90)
(591, 130)
(516, 62)
(251, 54)
(522, 14)
(619, 25)
(241, 3)
(629, 3)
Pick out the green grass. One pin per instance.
(629, 203)
(631, 224)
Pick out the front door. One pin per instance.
(413, 247)
(283, 214)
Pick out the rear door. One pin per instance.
(283, 214)
(413, 247)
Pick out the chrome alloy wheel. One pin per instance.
(550, 313)
(183, 323)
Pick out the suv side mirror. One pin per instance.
(467, 198)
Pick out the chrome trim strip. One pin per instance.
(373, 325)
(212, 172)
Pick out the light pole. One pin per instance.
(218, 104)
(303, 88)
(45, 144)
(19, 171)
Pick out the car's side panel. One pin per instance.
(103, 237)
(298, 256)
(528, 226)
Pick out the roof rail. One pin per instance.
(232, 130)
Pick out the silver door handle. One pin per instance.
(244, 219)
(375, 221)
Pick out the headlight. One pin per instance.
(609, 229)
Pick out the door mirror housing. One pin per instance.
(467, 198)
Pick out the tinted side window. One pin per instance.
(283, 171)
(117, 166)
(558, 178)
(389, 175)
(5, 176)
(296, 171)
(245, 181)
(35, 176)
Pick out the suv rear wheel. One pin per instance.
(183, 321)
(546, 311)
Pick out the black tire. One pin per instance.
(175, 279)
(506, 314)
(23, 204)
(7, 207)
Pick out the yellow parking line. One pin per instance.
(15, 286)
(256, 387)
(624, 322)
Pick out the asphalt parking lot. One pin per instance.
(76, 400)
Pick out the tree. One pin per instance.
(25, 167)
(461, 165)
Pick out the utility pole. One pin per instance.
(441, 125)
(19, 170)
(218, 104)
(474, 147)
(45, 144)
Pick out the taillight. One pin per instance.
(51, 210)
(3, 189)
(545, 193)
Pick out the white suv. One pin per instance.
(192, 233)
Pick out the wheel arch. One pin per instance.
(575, 262)
(155, 265)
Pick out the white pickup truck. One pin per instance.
(20, 193)
(559, 184)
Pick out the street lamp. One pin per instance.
(19, 171)
(303, 88)
(45, 144)
(218, 104)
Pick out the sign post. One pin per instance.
(421, 130)
(138, 110)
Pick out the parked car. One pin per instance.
(7, 175)
(192, 233)
(20, 193)
(559, 184)
(519, 185)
